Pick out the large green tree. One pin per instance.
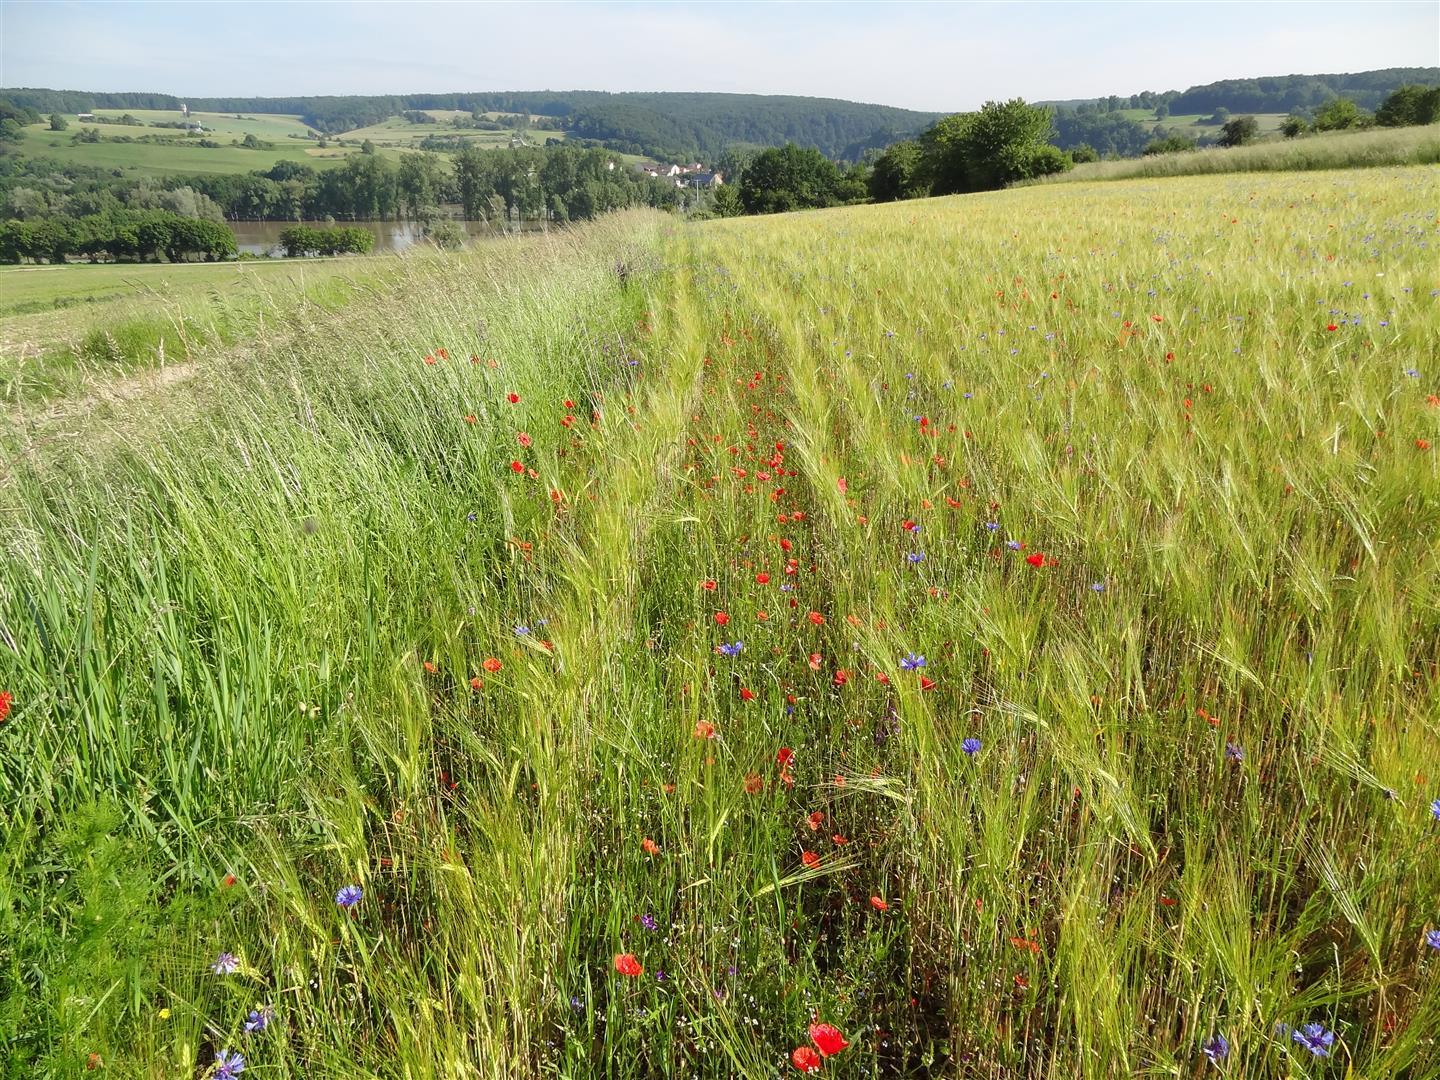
(1005, 141)
(897, 173)
(790, 178)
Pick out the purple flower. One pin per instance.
(259, 1019)
(1435, 809)
(912, 662)
(731, 650)
(1314, 1038)
(225, 964)
(1234, 753)
(971, 746)
(1432, 938)
(228, 1065)
(992, 525)
(349, 896)
(1098, 586)
(1217, 1049)
(648, 921)
(522, 630)
(916, 556)
(1014, 545)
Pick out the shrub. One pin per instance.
(1173, 143)
(1239, 131)
(1410, 106)
(1338, 115)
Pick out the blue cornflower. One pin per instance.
(912, 661)
(1435, 809)
(1217, 1049)
(1098, 586)
(992, 525)
(1412, 372)
(1234, 753)
(916, 557)
(228, 1065)
(1432, 938)
(225, 964)
(731, 650)
(648, 921)
(1314, 1038)
(259, 1019)
(1014, 545)
(522, 630)
(577, 1004)
(971, 746)
(349, 896)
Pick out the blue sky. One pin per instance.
(937, 56)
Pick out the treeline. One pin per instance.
(118, 236)
(557, 182)
(1001, 143)
(673, 126)
(1292, 93)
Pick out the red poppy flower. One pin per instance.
(753, 784)
(816, 618)
(476, 683)
(784, 756)
(746, 694)
(785, 545)
(827, 1039)
(431, 668)
(806, 1060)
(491, 665)
(1332, 326)
(569, 404)
(1037, 559)
(626, 964)
(704, 729)
(470, 418)
(841, 677)
(926, 684)
(708, 585)
(762, 579)
(878, 904)
(842, 485)
(815, 820)
(523, 438)
(809, 859)
(649, 846)
(227, 881)
(517, 467)
(513, 398)
(6, 700)
(721, 618)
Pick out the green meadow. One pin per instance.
(992, 636)
(67, 328)
(169, 159)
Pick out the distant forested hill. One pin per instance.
(1283, 93)
(666, 125)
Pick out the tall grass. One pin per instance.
(1334, 150)
(240, 620)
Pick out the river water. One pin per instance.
(263, 237)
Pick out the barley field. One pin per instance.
(994, 636)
